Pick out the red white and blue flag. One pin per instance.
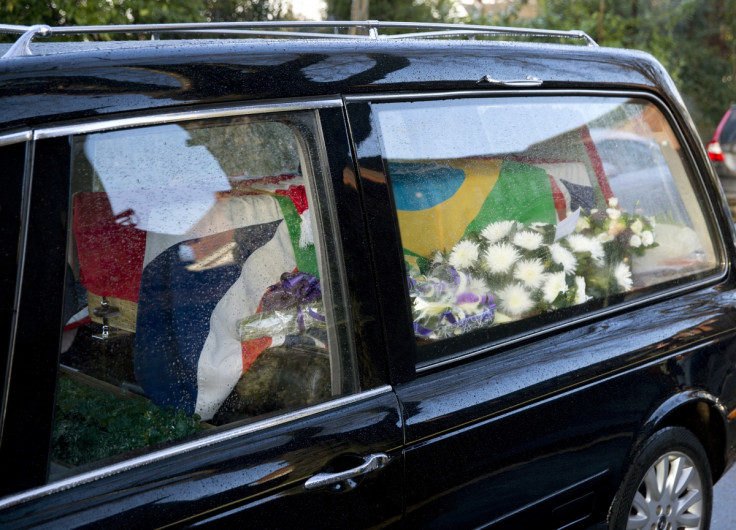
(195, 288)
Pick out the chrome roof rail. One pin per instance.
(22, 47)
(276, 29)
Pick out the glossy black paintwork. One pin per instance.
(39, 324)
(354, 241)
(254, 478)
(118, 77)
(531, 435)
(539, 434)
(13, 159)
(385, 246)
(526, 405)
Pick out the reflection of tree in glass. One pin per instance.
(256, 148)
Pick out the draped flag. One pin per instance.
(438, 203)
(196, 288)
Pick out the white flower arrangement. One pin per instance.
(501, 257)
(508, 270)
(464, 254)
(516, 300)
(496, 231)
(530, 272)
(528, 240)
(554, 285)
(563, 257)
(622, 273)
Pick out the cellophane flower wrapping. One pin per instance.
(509, 270)
(290, 307)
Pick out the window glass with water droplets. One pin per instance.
(514, 210)
(198, 293)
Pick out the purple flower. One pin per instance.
(294, 290)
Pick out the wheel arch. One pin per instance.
(702, 414)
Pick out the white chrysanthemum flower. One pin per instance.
(464, 254)
(528, 240)
(647, 238)
(612, 202)
(635, 241)
(496, 231)
(596, 251)
(530, 272)
(564, 257)
(580, 244)
(554, 284)
(613, 213)
(622, 273)
(580, 296)
(500, 257)
(515, 300)
(477, 286)
(637, 227)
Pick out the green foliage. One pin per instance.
(93, 424)
(97, 12)
(103, 12)
(396, 10)
(241, 11)
(256, 148)
(694, 40)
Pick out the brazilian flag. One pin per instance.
(438, 202)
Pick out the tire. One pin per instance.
(668, 486)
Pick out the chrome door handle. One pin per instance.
(370, 463)
(530, 81)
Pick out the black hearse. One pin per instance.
(429, 276)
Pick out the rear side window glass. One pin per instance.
(513, 209)
(200, 289)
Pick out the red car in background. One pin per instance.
(722, 152)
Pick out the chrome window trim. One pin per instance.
(708, 210)
(187, 447)
(156, 118)
(14, 138)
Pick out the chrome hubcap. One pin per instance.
(669, 496)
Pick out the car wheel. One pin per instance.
(667, 487)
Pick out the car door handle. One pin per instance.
(370, 463)
(530, 81)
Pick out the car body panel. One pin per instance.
(265, 467)
(539, 391)
(504, 412)
(164, 75)
(534, 431)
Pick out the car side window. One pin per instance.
(512, 209)
(200, 289)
